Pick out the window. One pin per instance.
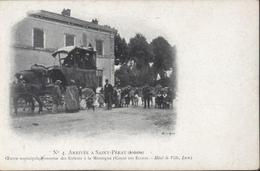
(100, 78)
(84, 40)
(99, 47)
(69, 40)
(38, 38)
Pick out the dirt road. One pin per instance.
(118, 121)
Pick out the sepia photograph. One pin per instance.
(129, 85)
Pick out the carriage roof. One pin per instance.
(72, 49)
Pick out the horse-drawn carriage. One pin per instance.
(32, 90)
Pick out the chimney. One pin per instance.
(66, 12)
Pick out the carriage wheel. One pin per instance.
(26, 104)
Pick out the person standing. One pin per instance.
(101, 98)
(132, 95)
(72, 98)
(56, 95)
(115, 97)
(108, 91)
(147, 96)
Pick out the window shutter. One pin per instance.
(69, 40)
(38, 38)
(84, 40)
(99, 47)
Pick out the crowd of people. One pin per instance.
(108, 97)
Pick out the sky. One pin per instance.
(128, 18)
(152, 19)
(177, 21)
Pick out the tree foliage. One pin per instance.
(163, 55)
(135, 57)
(140, 51)
(121, 50)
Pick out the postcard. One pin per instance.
(129, 85)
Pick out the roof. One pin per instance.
(70, 20)
(69, 49)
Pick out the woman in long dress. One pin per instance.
(56, 95)
(72, 98)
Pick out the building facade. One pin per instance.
(38, 35)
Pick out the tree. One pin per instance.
(173, 76)
(123, 75)
(140, 51)
(163, 55)
(121, 50)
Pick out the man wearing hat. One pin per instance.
(147, 94)
(108, 90)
